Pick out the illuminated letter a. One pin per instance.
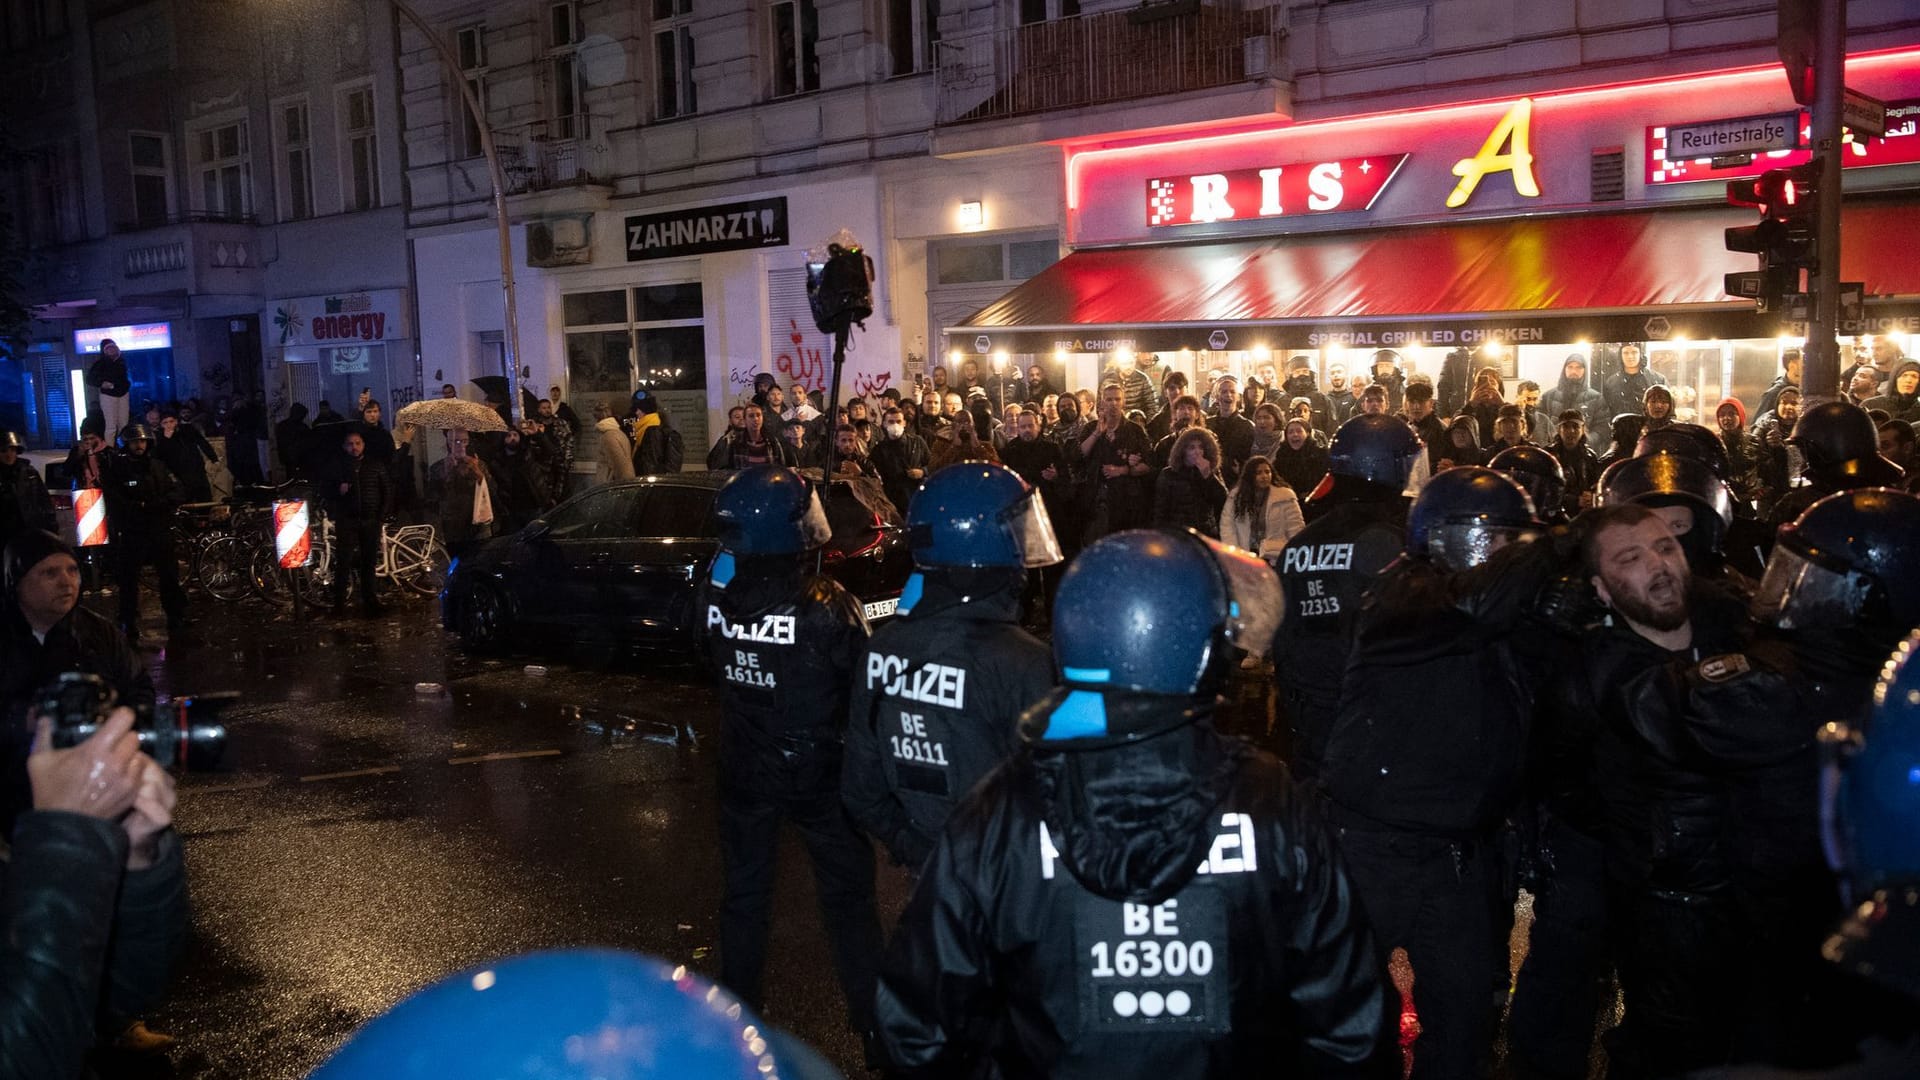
(1518, 160)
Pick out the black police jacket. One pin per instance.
(141, 494)
(1324, 571)
(934, 707)
(1167, 907)
(23, 501)
(784, 644)
(1432, 726)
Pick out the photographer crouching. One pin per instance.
(93, 902)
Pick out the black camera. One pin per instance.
(187, 735)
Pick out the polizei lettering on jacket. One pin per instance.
(1317, 558)
(928, 684)
(770, 630)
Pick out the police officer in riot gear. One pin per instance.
(1539, 474)
(1359, 528)
(785, 643)
(1424, 760)
(141, 496)
(1133, 894)
(1842, 452)
(936, 697)
(23, 496)
(1688, 496)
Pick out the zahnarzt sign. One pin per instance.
(701, 230)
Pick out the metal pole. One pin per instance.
(497, 176)
(1829, 67)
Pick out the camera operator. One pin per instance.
(94, 891)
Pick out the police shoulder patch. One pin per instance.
(1719, 669)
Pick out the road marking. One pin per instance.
(508, 756)
(377, 770)
(250, 785)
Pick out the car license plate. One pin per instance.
(881, 609)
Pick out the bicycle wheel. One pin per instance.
(419, 565)
(224, 568)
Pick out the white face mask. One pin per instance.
(896, 430)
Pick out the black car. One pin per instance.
(624, 562)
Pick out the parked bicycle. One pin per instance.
(411, 556)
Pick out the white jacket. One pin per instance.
(1284, 521)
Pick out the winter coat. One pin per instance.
(459, 489)
(185, 454)
(1302, 469)
(1032, 460)
(369, 494)
(1282, 521)
(776, 450)
(1770, 397)
(1898, 406)
(106, 370)
(786, 645)
(1627, 392)
(1075, 882)
(141, 495)
(1581, 468)
(615, 458)
(1236, 443)
(934, 707)
(1302, 384)
(1456, 379)
(893, 458)
(1571, 393)
(1462, 455)
(1182, 499)
(24, 503)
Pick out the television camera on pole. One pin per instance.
(840, 292)
(1785, 237)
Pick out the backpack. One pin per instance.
(676, 450)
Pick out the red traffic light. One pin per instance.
(1778, 193)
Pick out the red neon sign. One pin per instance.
(1326, 187)
(1899, 146)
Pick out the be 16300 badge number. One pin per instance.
(1149, 966)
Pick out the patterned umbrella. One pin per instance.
(450, 413)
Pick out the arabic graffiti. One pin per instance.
(871, 386)
(801, 364)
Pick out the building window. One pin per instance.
(564, 119)
(563, 25)
(223, 171)
(968, 262)
(55, 214)
(652, 336)
(673, 89)
(363, 151)
(1034, 11)
(796, 60)
(913, 29)
(296, 161)
(470, 44)
(147, 157)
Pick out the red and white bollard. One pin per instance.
(293, 543)
(89, 517)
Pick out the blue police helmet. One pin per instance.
(1848, 557)
(1465, 514)
(1535, 470)
(1378, 449)
(1157, 612)
(1870, 825)
(976, 514)
(769, 510)
(577, 1013)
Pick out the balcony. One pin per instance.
(1155, 50)
(550, 154)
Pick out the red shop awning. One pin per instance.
(1595, 276)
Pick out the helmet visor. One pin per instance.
(1797, 593)
(1253, 596)
(1462, 547)
(813, 524)
(1028, 522)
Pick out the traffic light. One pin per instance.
(1783, 237)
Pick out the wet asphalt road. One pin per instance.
(363, 839)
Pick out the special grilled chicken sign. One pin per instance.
(1314, 187)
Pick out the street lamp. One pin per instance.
(497, 178)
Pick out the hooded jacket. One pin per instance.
(1571, 393)
(1093, 891)
(935, 702)
(1626, 392)
(1899, 406)
(615, 459)
(1463, 455)
(1770, 397)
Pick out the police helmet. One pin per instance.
(1465, 514)
(1850, 557)
(1378, 449)
(1666, 478)
(1159, 612)
(1842, 447)
(568, 1014)
(10, 440)
(976, 514)
(134, 433)
(1537, 472)
(1688, 440)
(1870, 826)
(769, 510)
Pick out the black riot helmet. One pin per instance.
(1536, 471)
(1666, 478)
(134, 433)
(10, 440)
(1465, 514)
(1688, 440)
(1842, 448)
(1849, 559)
(1370, 456)
(769, 510)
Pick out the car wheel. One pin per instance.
(484, 620)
